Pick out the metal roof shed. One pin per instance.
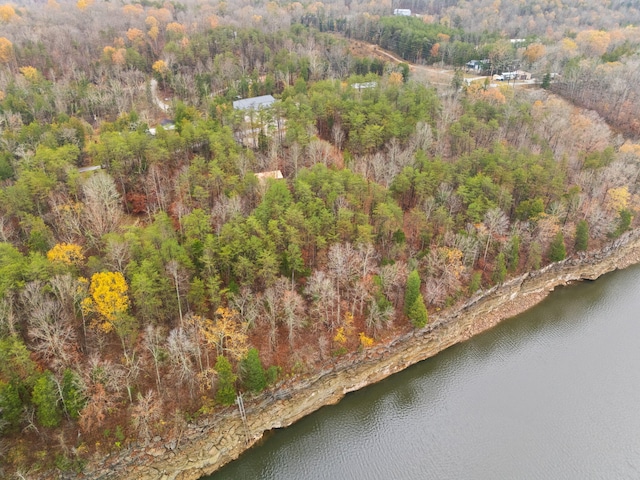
(254, 103)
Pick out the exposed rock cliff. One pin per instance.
(207, 446)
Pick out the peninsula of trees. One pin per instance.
(153, 264)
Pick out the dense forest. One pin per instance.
(147, 291)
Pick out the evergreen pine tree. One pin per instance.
(45, 398)
(514, 253)
(534, 259)
(582, 236)
(476, 282)
(624, 222)
(500, 270)
(72, 397)
(226, 393)
(412, 290)
(10, 406)
(418, 313)
(557, 250)
(252, 371)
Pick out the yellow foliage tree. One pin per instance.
(630, 149)
(108, 298)
(151, 21)
(84, 4)
(593, 42)
(7, 13)
(6, 50)
(618, 198)
(160, 67)
(227, 333)
(395, 78)
(176, 28)
(454, 260)
(569, 47)
(366, 341)
(66, 253)
(153, 33)
(345, 331)
(30, 73)
(107, 53)
(119, 56)
(340, 336)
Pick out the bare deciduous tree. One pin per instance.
(181, 353)
(53, 337)
(245, 302)
(321, 290)
(102, 207)
(293, 313)
(496, 223)
(145, 413)
(154, 337)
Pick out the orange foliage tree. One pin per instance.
(7, 13)
(6, 50)
(534, 52)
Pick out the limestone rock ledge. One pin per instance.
(213, 442)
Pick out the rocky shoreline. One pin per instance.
(210, 443)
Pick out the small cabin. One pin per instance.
(274, 174)
(364, 85)
(478, 65)
(166, 125)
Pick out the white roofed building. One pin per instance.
(254, 103)
(257, 121)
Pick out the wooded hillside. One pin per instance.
(147, 291)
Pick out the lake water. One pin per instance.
(551, 394)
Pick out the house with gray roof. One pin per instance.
(254, 103)
(258, 120)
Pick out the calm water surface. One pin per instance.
(551, 394)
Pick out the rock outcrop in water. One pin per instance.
(206, 446)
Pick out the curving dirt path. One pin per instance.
(154, 93)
